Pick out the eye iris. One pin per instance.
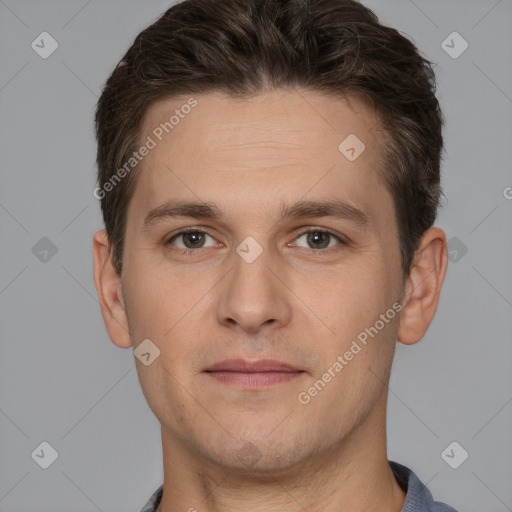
(193, 239)
(318, 239)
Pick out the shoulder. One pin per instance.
(154, 500)
(418, 498)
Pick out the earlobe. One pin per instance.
(423, 286)
(110, 293)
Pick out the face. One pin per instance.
(273, 285)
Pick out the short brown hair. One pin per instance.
(242, 47)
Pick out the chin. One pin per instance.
(258, 451)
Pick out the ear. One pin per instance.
(109, 288)
(423, 286)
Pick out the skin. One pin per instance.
(297, 302)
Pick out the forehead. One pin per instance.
(265, 149)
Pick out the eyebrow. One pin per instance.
(335, 209)
(299, 210)
(172, 209)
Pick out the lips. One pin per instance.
(244, 366)
(253, 375)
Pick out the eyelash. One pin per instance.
(193, 229)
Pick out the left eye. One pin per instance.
(191, 240)
(318, 239)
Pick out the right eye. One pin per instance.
(190, 239)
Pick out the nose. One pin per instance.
(253, 296)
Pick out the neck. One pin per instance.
(353, 476)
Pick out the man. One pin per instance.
(269, 179)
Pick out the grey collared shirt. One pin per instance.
(418, 499)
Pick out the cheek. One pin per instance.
(160, 311)
(158, 296)
(360, 351)
(171, 310)
(349, 299)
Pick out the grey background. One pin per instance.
(64, 382)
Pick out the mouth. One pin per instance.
(259, 374)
